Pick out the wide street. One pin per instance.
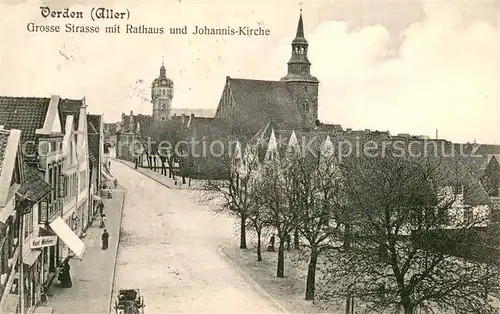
(169, 249)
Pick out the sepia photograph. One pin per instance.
(250, 156)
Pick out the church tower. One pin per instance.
(162, 92)
(301, 84)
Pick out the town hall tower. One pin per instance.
(162, 92)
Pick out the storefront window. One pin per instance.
(28, 223)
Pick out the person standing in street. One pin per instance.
(101, 208)
(103, 221)
(65, 276)
(116, 182)
(104, 239)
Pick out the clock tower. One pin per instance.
(162, 93)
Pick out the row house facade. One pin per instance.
(22, 256)
(98, 159)
(129, 136)
(53, 141)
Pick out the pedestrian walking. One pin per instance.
(116, 182)
(104, 239)
(101, 208)
(103, 221)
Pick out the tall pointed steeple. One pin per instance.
(299, 67)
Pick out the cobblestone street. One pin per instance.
(170, 250)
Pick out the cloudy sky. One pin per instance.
(404, 66)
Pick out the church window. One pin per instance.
(305, 89)
(305, 107)
(163, 91)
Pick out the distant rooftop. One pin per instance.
(202, 113)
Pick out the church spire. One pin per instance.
(300, 27)
(299, 67)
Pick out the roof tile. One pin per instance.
(26, 114)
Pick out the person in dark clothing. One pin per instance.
(101, 208)
(65, 276)
(104, 239)
(116, 182)
(271, 248)
(103, 221)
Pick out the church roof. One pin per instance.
(258, 102)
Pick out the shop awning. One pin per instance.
(67, 235)
(107, 176)
(96, 198)
(30, 258)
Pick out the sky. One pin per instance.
(403, 66)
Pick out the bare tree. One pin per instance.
(166, 136)
(403, 210)
(318, 198)
(236, 191)
(279, 213)
(256, 212)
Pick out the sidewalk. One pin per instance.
(162, 179)
(93, 276)
(206, 200)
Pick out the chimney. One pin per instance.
(437, 134)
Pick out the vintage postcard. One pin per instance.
(249, 156)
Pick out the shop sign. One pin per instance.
(40, 242)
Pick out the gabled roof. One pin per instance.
(26, 114)
(451, 169)
(110, 128)
(142, 121)
(4, 138)
(91, 129)
(95, 121)
(94, 143)
(69, 107)
(34, 186)
(477, 156)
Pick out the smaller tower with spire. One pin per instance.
(301, 84)
(162, 93)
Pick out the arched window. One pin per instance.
(305, 107)
(163, 91)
